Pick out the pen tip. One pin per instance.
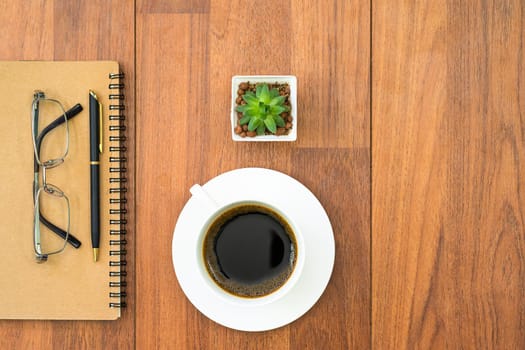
(95, 254)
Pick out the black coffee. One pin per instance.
(250, 250)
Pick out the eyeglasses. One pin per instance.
(48, 197)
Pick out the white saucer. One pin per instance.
(281, 191)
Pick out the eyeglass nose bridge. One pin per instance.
(48, 187)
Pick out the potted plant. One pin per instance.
(264, 108)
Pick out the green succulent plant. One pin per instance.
(262, 110)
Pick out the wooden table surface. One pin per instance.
(411, 135)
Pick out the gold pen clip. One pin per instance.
(100, 127)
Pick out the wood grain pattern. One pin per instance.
(447, 158)
(67, 30)
(187, 58)
(174, 6)
(348, 293)
(330, 54)
(447, 144)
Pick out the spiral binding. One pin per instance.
(117, 191)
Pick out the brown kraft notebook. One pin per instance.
(69, 285)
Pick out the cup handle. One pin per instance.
(201, 195)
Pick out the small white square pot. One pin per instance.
(270, 79)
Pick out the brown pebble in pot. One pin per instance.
(281, 131)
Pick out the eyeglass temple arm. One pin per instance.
(71, 113)
(70, 238)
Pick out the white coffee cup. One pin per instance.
(214, 210)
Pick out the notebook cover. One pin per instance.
(69, 285)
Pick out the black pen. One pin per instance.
(95, 126)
